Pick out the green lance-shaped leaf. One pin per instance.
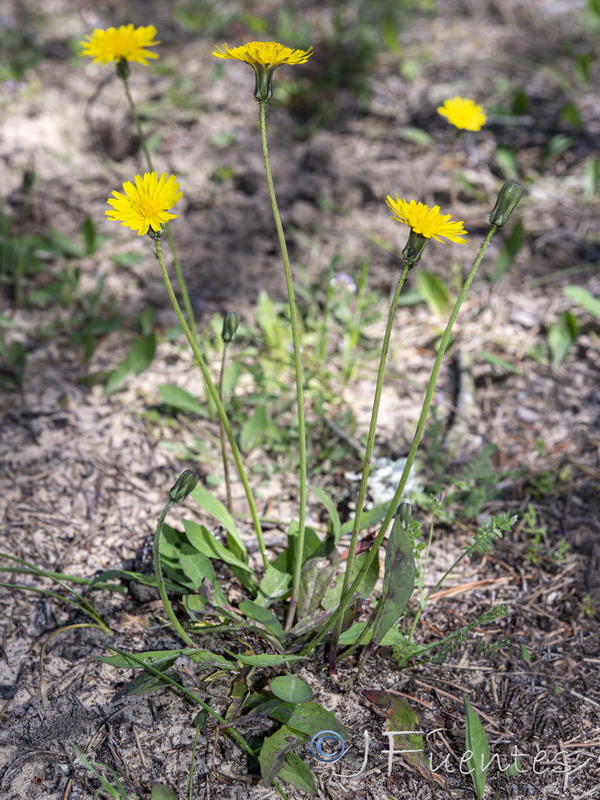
(274, 750)
(307, 718)
(316, 576)
(214, 507)
(398, 581)
(277, 579)
(583, 298)
(331, 599)
(434, 291)
(477, 745)
(264, 616)
(561, 337)
(403, 722)
(334, 517)
(264, 659)
(180, 400)
(295, 771)
(204, 541)
(160, 792)
(291, 689)
(138, 359)
(162, 659)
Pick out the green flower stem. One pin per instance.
(192, 761)
(362, 492)
(57, 577)
(138, 124)
(160, 580)
(214, 394)
(466, 552)
(60, 575)
(222, 429)
(297, 368)
(80, 602)
(325, 314)
(90, 613)
(387, 521)
(176, 262)
(19, 272)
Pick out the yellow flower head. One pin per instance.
(145, 205)
(463, 114)
(265, 54)
(264, 57)
(426, 222)
(117, 44)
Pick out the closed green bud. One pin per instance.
(28, 181)
(185, 483)
(231, 322)
(404, 514)
(508, 198)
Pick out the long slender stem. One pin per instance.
(192, 760)
(297, 369)
(448, 572)
(138, 125)
(176, 262)
(322, 342)
(222, 430)
(387, 521)
(352, 336)
(362, 492)
(90, 613)
(160, 582)
(214, 394)
(72, 578)
(81, 603)
(22, 246)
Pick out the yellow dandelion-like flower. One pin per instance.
(463, 113)
(117, 44)
(265, 54)
(263, 57)
(426, 222)
(146, 204)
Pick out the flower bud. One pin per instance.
(185, 483)
(508, 198)
(404, 514)
(414, 248)
(231, 323)
(28, 181)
